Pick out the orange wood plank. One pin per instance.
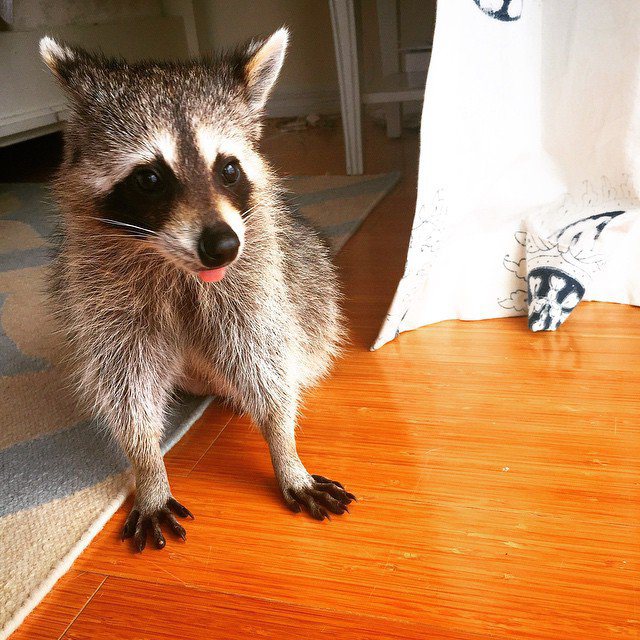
(445, 566)
(429, 559)
(50, 619)
(126, 609)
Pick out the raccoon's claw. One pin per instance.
(138, 527)
(322, 480)
(181, 510)
(319, 498)
(130, 525)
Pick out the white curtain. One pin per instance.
(529, 164)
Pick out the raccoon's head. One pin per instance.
(166, 152)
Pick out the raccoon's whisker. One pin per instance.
(138, 234)
(244, 213)
(116, 223)
(132, 234)
(117, 237)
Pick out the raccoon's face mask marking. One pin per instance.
(166, 151)
(145, 198)
(203, 231)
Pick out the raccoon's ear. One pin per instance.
(61, 59)
(263, 66)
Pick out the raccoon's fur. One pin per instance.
(161, 181)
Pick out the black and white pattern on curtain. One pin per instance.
(556, 270)
(553, 295)
(503, 10)
(561, 267)
(517, 300)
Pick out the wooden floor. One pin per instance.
(497, 473)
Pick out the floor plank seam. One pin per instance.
(68, 627)
(204, 453)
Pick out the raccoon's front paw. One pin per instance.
(319, 495)
(138, 524)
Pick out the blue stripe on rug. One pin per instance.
(25, 258)
(381, 183)
(73, 459)
(13, 360)
(66, 462)
(35, 206)
(341, 229)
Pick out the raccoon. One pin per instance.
(181, 266)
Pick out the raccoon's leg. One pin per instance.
(317, 494)
(273, 404)
(132, 391)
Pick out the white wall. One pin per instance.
(308, 80)
(41, 14)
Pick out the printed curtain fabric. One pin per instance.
(529, 164)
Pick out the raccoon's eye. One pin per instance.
(148, 180)
(230, 173)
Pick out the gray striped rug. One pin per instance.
(61, 478)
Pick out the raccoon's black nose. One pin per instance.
(218, 245)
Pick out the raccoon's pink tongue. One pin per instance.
(212, 275)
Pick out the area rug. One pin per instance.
(60, 478)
